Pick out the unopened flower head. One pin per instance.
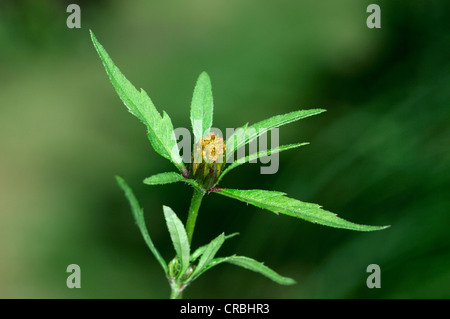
(208, 160)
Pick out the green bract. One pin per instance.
(204, 175)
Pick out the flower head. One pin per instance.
(208, 160)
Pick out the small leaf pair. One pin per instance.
(179, 277)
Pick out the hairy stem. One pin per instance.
(193, 212)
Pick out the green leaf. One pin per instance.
(253, 265)
(277, 202)
(208, 254)
(138, 214)
(179, 239)
(243, 136)
(202, 106)
(199, 251)
(170, 177)
(194, 184)
(257, 155)
(164, 178)
(159, 129)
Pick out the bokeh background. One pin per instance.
(380, 155)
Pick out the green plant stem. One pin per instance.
(193, 212)
(176, 292)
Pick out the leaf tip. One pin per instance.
(375, 228)
(204, 75)
(119, 179)
(93, 37)
(290, 281)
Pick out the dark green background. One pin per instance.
(378, 156)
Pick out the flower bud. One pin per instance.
(208, 160)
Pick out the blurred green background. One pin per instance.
(378, 156)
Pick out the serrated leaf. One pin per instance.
(202, 106)
(179, 238)
(248, 134)
(277, 202)
(208, 254)
(138, 214)
(170, 177)
(257, 155)
(159, 129)
(199, 251)
(164, 178)
(253, 265)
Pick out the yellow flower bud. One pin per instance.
(208, 160)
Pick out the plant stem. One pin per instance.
(175, 285)
(193, 212)
(176, 292)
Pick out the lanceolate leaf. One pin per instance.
(246, 135)
(179, 239)
(159, 128)
(199, 251)
(138, 214)
(170, 177)
(253, 265)
(257, 155)
(208, 254)
(277, 202)
(164, 178)
(202, 106)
